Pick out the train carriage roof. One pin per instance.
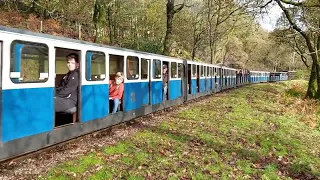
(61, 38)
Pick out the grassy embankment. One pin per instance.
(261, 131)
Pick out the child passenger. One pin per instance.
(116, 91)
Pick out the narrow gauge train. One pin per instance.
(32, 64)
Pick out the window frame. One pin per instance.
(176, 71)
(202, 72)
(121, 61)
(26, 42)
(180, 69)
(148, 68)
(153, 70)
(127, 70)
(194, 74)
(105, 64)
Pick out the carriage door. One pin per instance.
(146, 80)
(0, 83)
(184, 79)
(0, 68)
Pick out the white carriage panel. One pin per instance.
(161, 71)
(6, 80)
(83, 65)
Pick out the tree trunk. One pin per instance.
(213, 32)
(109, 24)
(99, 19)
(312, 86)
(312, 51)
(318, 55)
(210, 30)
(194, 49)
(171, 11)
(168, 37)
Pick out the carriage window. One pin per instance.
(208, 72)
(144, 68)
(29, 62)
(194, 70)
(202, 70)
(174, 70)
(95, 66)
(132, 67)
(115, 65)
(180, 70)
(156, 66)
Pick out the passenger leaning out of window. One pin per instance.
(165, 81)
(67, 92)
(116, 90)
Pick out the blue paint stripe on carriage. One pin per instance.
(136, 95)
(157, 92)
(213, 83)
(175, 88)
(193, 86)
(208, 83)
(202, 85)
(26, 112)
(219, 84)
(95, 101)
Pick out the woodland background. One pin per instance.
(213, 31)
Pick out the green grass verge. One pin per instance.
(256, 131)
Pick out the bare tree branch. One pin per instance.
(302, 4)
(300, 52)
(265, 5)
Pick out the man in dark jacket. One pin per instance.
(67, 92)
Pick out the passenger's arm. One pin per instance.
(71, 86)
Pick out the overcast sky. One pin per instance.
(268, 21)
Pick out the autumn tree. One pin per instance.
(172, 9)
(306, 12)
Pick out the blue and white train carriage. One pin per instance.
(259, 76)
(32, 65)
(203, 79)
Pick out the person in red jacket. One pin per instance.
(116, 90)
